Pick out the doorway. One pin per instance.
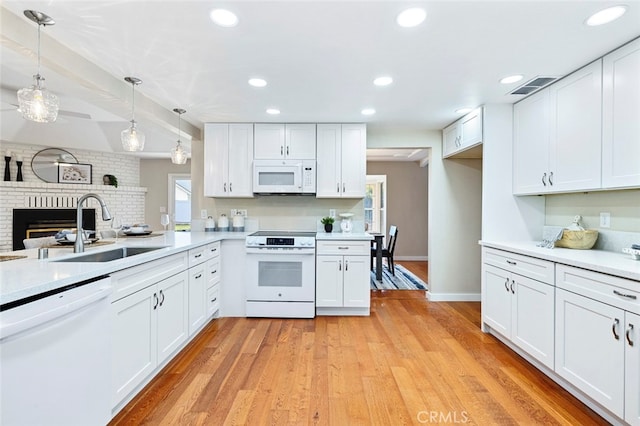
(180, 201)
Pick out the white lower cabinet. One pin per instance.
(197, 297)
(148, 326)
(342, 277)
(520, 309)
(632, 369)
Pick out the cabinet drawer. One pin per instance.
(213, 250)
(130, 280)
(213, 270)
(197, 255)
(344, 247)
(213, 300)
(537, 269)
(619, 292)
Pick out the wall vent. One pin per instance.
(533, 85)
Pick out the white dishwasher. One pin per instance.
(55, 357)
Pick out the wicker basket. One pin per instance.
(582, 240)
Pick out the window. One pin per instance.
(375, 201)
(180, 201)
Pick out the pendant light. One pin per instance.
(36, 103)
(132, 138)
(178, 154)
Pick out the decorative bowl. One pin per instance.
(581, 240)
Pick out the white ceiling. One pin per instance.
(319, 58)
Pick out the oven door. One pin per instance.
(281, 275)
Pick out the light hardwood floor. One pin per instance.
(410, 362)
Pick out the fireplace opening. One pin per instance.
(36, 223)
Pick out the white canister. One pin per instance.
(238, 223)
(210, 225)
(223, 223)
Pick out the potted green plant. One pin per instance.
(327, 221)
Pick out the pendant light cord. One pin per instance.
(179, 118)
(133, 102)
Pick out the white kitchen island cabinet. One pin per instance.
(228, 160)
(558, 136)
(621, 122)
(295, 141)
(341, 160)
(342, 278)
(518, 302)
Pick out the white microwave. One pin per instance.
(284, 176)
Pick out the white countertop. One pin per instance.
(607, 262)
(353, 236)
(23, 278)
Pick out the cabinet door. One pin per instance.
(471, 129)
(531, 144)
(133, 339)
(198, 285)
(576, 130)
(240, 160)
(300, 141)
(496, 299)
(532, 318)
(172, 311)
(621, 125)
(329, 281)
(329, 161)
(269, 142)
(356, 282)
(354, 160)
(450, 139)
(632, 369)
(590, 348)
(216, 155)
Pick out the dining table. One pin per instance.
(378, 237)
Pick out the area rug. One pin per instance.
(403, 280)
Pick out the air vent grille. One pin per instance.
(533, 85)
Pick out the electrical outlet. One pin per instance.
(242, 212)
(163, 209)
(605, 220)
(234, 212)
(332, 212)
(203, 214)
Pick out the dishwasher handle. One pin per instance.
(8, 329)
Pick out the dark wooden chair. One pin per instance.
(387, 252)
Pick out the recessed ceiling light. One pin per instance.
(383, 81)
(606, 15)
(463, 110)
(511, 79)
(273, 111)
(257, 82)
(368, 111)
(224, 18)
(411, 17)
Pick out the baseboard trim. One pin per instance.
(412, 258)
(453, 297)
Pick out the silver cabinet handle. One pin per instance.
(230, 188)
(511, 262)
(281, 150)
(214, 271)
(614, 327)
(197, 277)
(346, 265)
(544, 179)
(225, 187)
(343, 248)
(339, 265)
(214, 299)
(628, 334)
(287, 150)
(161, 300)
(198, 255)
(551, 178)
(155, 301)
(338, 187)
(512, 284)
(506, 284)
(628, 296)
(344, 187)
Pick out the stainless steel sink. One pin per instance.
(108, 256)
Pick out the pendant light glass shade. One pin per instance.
(36, 103)
(132, 138)
(178, 154)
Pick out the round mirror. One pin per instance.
(45, 163)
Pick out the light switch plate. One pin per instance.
(332, 212)
(203, 214)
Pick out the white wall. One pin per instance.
(154, 176)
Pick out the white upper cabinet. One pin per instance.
(228, 159)
(341, 160)
(621, 117)
(463, 139)
(285, 141)
(558, 137)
